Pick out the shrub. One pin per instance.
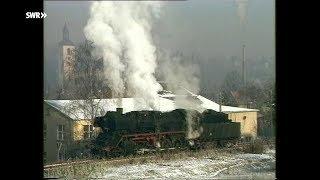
(131, 161)
(255, 147)
(143, 160)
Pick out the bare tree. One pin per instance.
(87, 87)
(231, 89)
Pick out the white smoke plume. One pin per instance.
(193, 128)
(181, 76)
(122, 33)
(179, 73)
(242, 11)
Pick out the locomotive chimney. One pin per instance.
(120, 110)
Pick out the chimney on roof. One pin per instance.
(120, 110)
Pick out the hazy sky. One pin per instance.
(210, 28)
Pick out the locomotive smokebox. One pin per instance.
(120, 110)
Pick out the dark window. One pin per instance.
(244, 117)
(60, 132)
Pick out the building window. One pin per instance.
(68, 51)
(88, 131)
(60, 132)
(244, 117)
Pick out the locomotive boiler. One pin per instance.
(124, 134)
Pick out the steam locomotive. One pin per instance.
(123, 134)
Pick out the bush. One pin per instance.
(143, 161)
(255, 147)
(131, 161)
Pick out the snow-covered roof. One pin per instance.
(208, 104)
(82, 109)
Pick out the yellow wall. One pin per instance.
(248, 125)
(78, 129)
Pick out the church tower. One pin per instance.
(66, 59)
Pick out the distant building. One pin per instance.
(57, 134)
(66, 62)
(247, 117)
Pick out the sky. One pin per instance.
(209, 28)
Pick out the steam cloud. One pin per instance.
(181, 77)
(121, 32)
(179, 73)
(242, 11)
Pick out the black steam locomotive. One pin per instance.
(123, 134)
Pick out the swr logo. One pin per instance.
(34, 15)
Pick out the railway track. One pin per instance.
(144, 155)
(122, 159)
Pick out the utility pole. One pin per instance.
(244, 65)
(244, 78)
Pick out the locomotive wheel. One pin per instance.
(202, 145)
(213, 144)
(128, 147)
(184, 143)
(178, 144)
(167, 143)
(222, 143)
(116, 154)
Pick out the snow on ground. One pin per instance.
(227, 166)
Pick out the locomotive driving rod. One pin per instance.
(148, 135)
(152, 134)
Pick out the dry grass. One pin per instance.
(98, 166)
(255, 147)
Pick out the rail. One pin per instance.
(52, 166)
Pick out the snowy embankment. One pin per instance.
(217, 166)
(205, 164)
